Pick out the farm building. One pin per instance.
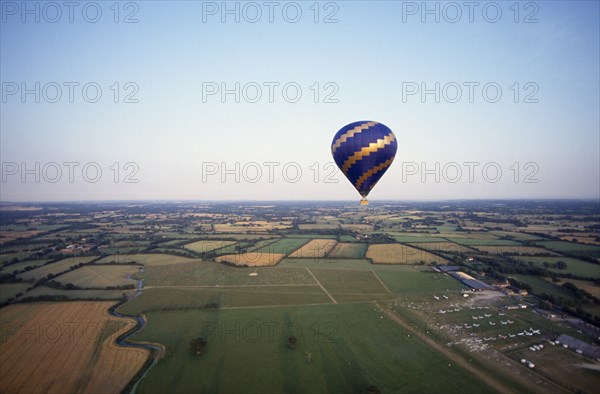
(469, 281)
(447, 268)
(587, 349)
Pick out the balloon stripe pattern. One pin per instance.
(364, 151)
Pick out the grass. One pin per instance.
(284, 246)
(157, 299)
(22, 265)
(574, 266)
(484, 242)
(563, 366)
(211, 274)
(78, 294)
(541, 286)
(363, 264)
(349, 281)
(207, 246)
(348, 251)
(54, 268)
(400, 254)
(571, 247)
(99, 276)
(351, 347)
(443, 247)
(418, 283)
(10, 290)
(251, 259)
(520, 250)
(151, 259)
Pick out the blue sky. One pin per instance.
(367, 58)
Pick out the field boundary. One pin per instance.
(319, 283)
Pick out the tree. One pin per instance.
(561, 265)
(198, 346)
(372, 390)
(292, 342)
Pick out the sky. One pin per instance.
(192, 100)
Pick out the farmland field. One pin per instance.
(58, 360)
(317, 248)
(10, 290)
(443, 247)
(563, 365)
(570, 247)
(351, 347)
(574, 266)
(348, 251)
(77, 294)
(22, 265)
(151, 259)
(99, 276)
(207, 246)
(55, 268)
(174, 298)
(212, 274)
(252, 259)
(515, 250)
(400, 254)
(284, 246)
(483, 240)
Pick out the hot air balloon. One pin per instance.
(364, 151)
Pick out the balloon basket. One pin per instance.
(364, 201)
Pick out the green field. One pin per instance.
(363, 264)
(484, 242)
(99, 276)
(78, 294)
(571, 247)
(574, 266)
(418, 283)
(174, 298)
(22, 265)
(10, 290)
(283, 245)
(55, 268)
(352, 347)
(540, 286)
(348, 251)
(207, 246)
(211, 274)
(150, 259)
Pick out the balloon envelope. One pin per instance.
(364, 151)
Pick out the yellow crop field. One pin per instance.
(65, 347)
(314, 249)
(400, 254)
(207, 245)
(252, 259)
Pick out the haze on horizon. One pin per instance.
(182, 140)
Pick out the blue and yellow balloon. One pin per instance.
(364, 151)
